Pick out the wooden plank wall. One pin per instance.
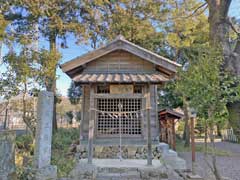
(85, 123)
(119, 62)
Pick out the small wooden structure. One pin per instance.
(167, 121)
(119, 83)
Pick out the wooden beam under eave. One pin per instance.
(167, 73)
(74, 72)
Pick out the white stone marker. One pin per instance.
(42, 154)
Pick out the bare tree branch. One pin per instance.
(199, 7)
(230, 23)
(237, 47)
(194, 13)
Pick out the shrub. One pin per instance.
(61, 157)
(24, 142)
(62, 141)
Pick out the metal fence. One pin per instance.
(14, 121)
(228, 135)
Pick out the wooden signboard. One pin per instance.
(121, 89)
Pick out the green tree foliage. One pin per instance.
(224, 34)
(183, 29)
(205, 84)
(54, 20)
(69, 114)
(74, 93)
(169, 98)
(135, 20)
(21, 78)
(208, 89)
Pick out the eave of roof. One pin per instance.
(153, 78)
(121, 44)
(171, 112)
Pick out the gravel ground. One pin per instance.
(229, 166)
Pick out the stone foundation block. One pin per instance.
(7, 155)
(46, 173)
(194, 177)
(111, 152)
(84, 171)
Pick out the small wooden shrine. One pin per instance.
(119, 83)
(167, 120)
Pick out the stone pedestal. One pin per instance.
(42, 155)
(163, 148)
(84, 171)
(171, 157)
(46, 173)
(7, 155)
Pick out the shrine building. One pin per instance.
(119, 93)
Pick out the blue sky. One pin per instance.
(74, 50)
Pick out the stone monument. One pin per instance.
(7, 155)
(42, 155)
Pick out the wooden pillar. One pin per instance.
(5, 119)
(91, 126)
(149, 136)
(82, 114)
(173, 135)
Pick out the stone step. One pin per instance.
(116, 170)
(194, 177)
(119, 176)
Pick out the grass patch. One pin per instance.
(200, 148)
(61, 143)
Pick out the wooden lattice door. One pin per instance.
(109, 115)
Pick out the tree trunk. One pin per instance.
(205, 136)
(219, 25)
(5, 118)
(219, 134)
(213, 154)
(51, 86)
(214, 159)
(24, 112)
(186, 134)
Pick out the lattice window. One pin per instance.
(103, 89)
(108, 122)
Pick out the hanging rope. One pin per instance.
(115, 112)
(118, 115)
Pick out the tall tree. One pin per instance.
(135, 20)
(22, 77)
(220, 27)
(208, 90)
(185, 28)
(56, 20)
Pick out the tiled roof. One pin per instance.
(120, 78)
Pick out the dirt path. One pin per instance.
(229, 166)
